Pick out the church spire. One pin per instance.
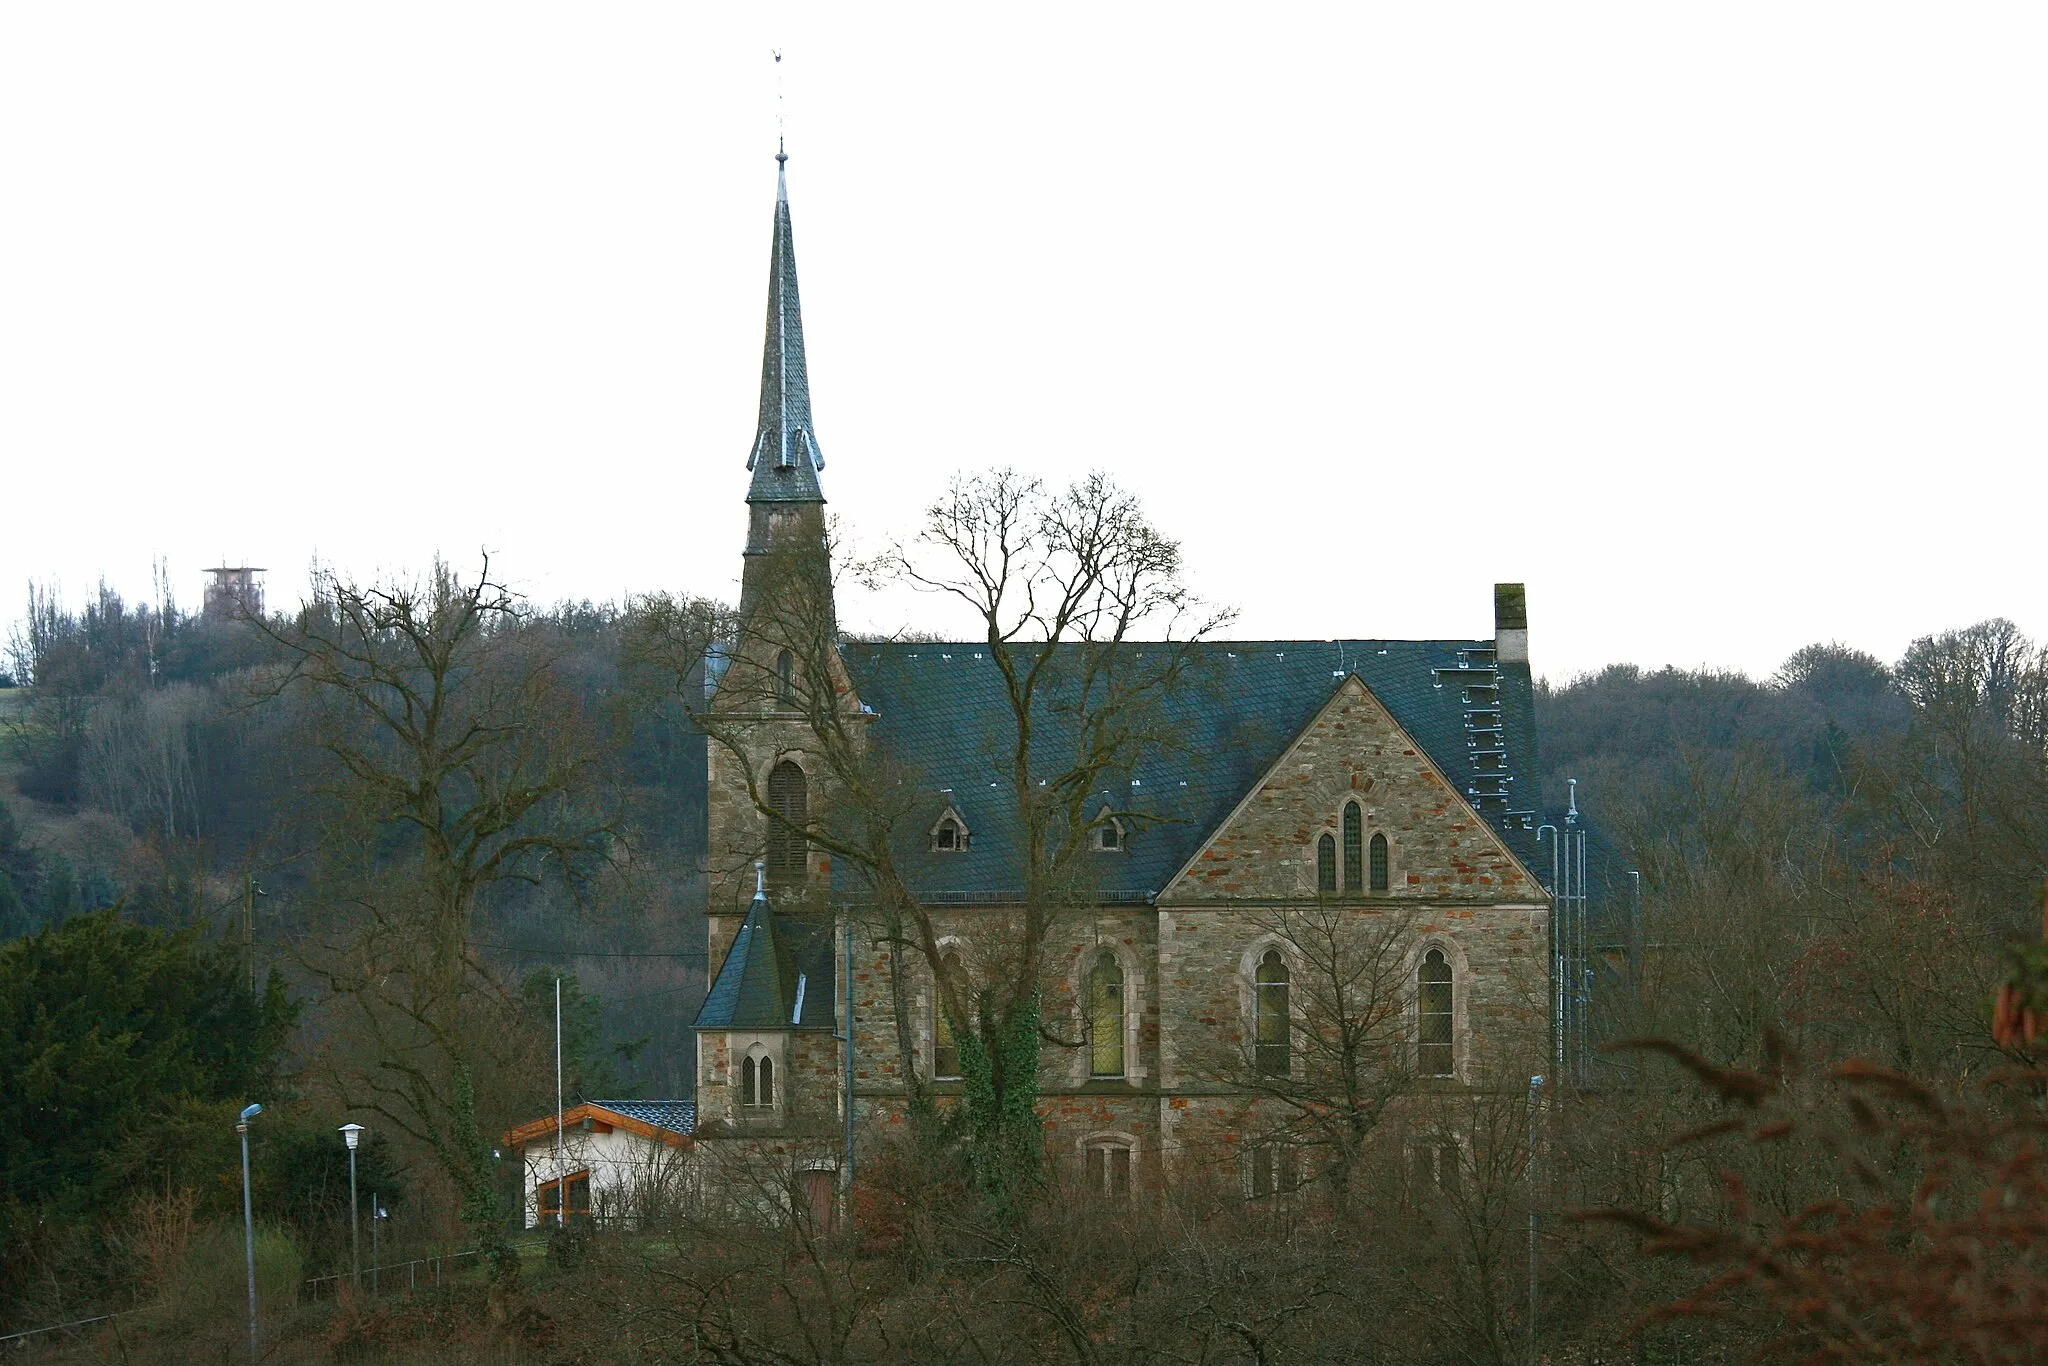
(785, 459)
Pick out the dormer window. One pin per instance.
(1109, 835)
(950, 835)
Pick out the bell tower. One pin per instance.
(779, 680)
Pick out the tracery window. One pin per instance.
(1434, 1053)
(1273, 1029)
(1354, 845)
(788, 797)
(945, 1050)
(1106, 1017)
(1376, 864)
(1326, 864)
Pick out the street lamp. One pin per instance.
(249, 1220)
(351, 1134)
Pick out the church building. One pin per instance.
(1388, 788)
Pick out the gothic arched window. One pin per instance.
(1376, 864)
(1273, 1029)
(757, 1082)
(788, 797)
(785, 677)
(1354, 848)
(1106, 1017)
(945, 1051)
(1433, 1054)
(1326, 864)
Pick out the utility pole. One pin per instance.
(249, 1220)
(846, 1164)
(561, 1186)
(249, 927)
(1535, 1123)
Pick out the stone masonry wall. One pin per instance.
(1437, 845)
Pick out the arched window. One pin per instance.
(1109, 1168)
(945, 1052)
(788, 796)
(1436, 1168)
(1376, 863)
(1106, 1017)
(1271, 1053)
(785, 677)
(1354, 848)
(1433, 1056)
(1275, 1170)
(1326, 864)
(757, 1082)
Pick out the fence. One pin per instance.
(419, 1269)
(21, 1339)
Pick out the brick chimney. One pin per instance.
(1510, 624)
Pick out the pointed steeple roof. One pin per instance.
(748, 993)
(785, 459)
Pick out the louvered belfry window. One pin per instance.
(1326, 864)
(1354, 848)
(788, 796)
(1376, 864)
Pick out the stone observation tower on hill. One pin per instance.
(233, 591)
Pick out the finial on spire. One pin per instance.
(781, 135)
(760, 879)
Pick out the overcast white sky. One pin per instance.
(1721, 325)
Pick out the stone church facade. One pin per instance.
(1384, 791)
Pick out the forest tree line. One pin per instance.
(1834, 860)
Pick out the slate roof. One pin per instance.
(940, 711)
(779, 974)
(677, 1116)
(785, 457)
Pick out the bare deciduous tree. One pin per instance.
(458, 764)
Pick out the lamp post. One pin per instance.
(350, 1134)
(249, 1220)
